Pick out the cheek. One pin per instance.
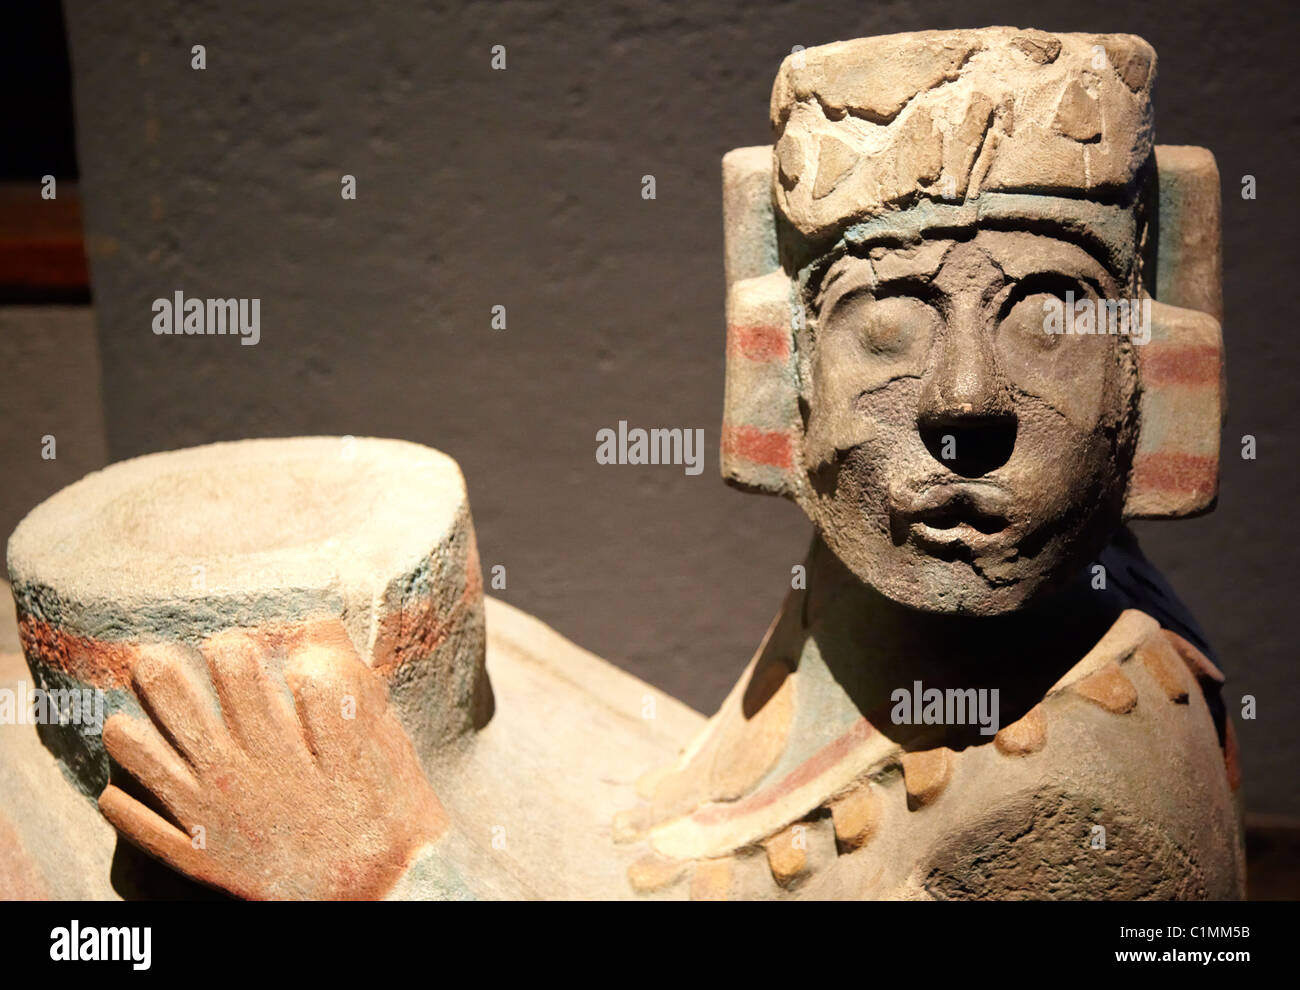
(1078, 377)
(863, 476)
(854, 397)
(852, 510)
(1058, 469)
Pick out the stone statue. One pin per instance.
(973, 326)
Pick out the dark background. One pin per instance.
(522, 188)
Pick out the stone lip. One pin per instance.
(180, 544)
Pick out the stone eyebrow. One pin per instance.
(1016, 268)
(910, 267)
(1048, 280)
(916, 284)
(822, 275)
(1063, 233)
(1042, 276)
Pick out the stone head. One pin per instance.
(973, 311)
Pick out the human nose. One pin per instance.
(965, 415)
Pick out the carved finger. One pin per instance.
(328, 634)
(142, 751)
(332, 705)
(391, 749)
(358, 739)
(147, 829)
(180, 705)
(259, 717)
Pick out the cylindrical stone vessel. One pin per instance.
(262, 535)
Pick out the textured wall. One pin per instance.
(523, 188)
(49, 387)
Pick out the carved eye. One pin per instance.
(1069, 370)
(1032, 320)
(893, 326)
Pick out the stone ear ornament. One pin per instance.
(1176, 466)
(761, 424)
(1176, 463)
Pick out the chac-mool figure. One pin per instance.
(973, 327)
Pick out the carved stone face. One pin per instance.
(961, 458)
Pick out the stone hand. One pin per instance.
(312, 793)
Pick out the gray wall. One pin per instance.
(522, 188)
(49, 386)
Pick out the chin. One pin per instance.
(960, 580)
(959, 587)
(956, 588)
